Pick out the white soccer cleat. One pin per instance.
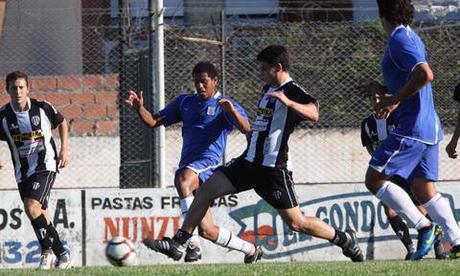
(64, 261)
(47, 261)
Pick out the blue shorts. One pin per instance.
(407, 158)
(204, 168)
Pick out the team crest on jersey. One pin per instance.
(14, 126)
(35, 120)
(265, 112)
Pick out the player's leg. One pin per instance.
(64, 259)
(186, 181)
(34, 192)
(401, 230)
(216, 186)
(224, 237)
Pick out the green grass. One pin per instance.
(422, 268)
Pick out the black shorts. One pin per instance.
(405, 185)
(274, 185)
(38, 187)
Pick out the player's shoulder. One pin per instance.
(403, 35)
(4, 109)
(368, 119)
(43, 104)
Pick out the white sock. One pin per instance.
(439, 210)
(396, 198)
(184, 206)
(230, 240)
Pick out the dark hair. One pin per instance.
(275, 54)
(397, 12)
(13, 76)
(205, 67)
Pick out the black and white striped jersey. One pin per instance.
(375, 130)
(29, 137)
(274, 123)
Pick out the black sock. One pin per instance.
(182, 237)
(340, 238)
(42, 233)
(401, 230)
(57, 246)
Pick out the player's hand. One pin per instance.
(279, 95)
(63, 158)
(226, 105)
(134, 100)
(451, 149)
(385, 105)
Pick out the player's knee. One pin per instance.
(209, 233)
(32, 208)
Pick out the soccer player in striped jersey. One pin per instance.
(26, 125)
(263, 166)
(451, 147)
(207, 119)
(411, 150)
(374, 130)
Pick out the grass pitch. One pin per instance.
(421, 268)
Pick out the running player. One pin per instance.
(263, 166)
(26, 125)
(451, 147)
(411, 150)
(207, 119)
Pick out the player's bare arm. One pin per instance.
(64, 153)
(137, 103)
(451, 147)
(241, 123)
(308, 111)
(421, 76)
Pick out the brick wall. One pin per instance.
(88, 102)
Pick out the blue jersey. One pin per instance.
(205, 126)
(416, 117)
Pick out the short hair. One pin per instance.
(205, 67)
(13, 76)
(457, 93)
(275, 54)
(397, 12)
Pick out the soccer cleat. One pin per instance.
(455, 253)
(64, 261)
(258, 253)
(192, 254)
(351, 248)
(47, 260)
(166, 246)
(439, 251)
(426, 239)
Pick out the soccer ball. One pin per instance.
(120, 252)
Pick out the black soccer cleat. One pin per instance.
(455, 253)
(351, 248)
(250, 259)
(192, 254)
(166, 246)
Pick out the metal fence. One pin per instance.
(327, 58)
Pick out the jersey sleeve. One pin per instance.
(172, 113)
(299, 95)
(405, 52)
(231, 121)
(457, 93)
(365, 138)
(2, 131)
(53, 115)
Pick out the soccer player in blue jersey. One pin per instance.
(411, 150)
(207, 119)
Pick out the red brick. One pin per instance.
(107, 127)
(58, 98)
(94, 110)
(70, 112)
(106, 97)
(38, 95)
(83, 127)
(113, 111)
(44, 84)
(111, 81)
(82, 98)
(92, 81)
(69, 82)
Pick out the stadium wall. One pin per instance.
(88, 218)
